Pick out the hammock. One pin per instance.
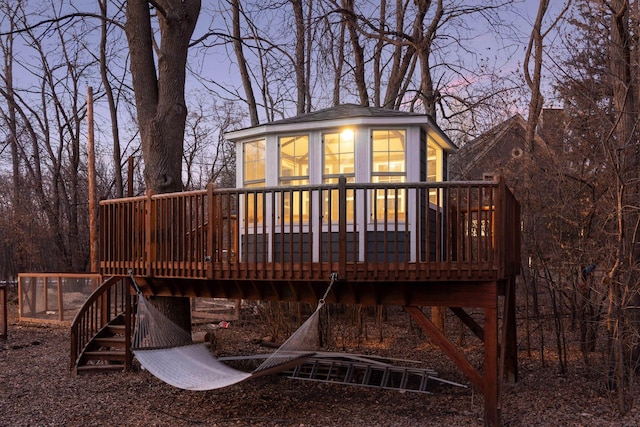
(167, 352)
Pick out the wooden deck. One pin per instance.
(283, 243)
(451, 244)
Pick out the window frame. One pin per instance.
(254, 203)
(382, 196)
(334, 177)
(285, 181)
(254, 182)
(291, 205)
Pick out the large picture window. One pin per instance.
(254, 163)
(434, 169)
(294, 160)
(339, 160)
(388, 154)
(253, 160)
(339, 156)
(294, 171)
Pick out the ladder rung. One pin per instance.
(385, 378)
(348, 375)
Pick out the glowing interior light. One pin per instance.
(346, 135)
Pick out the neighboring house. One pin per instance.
(500, 150)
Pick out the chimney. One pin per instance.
(551, 126)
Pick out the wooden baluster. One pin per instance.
(342, 226)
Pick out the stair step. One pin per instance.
(113, 342)
(85, 369)
(116, 329)
(105, 355)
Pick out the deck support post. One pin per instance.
(509, 358)
(497, 358)
(342, 226)
(128, 324)
(211, 230)
(491, 378)
(3, 311)
(149, 232)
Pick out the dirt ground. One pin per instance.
(37, 389)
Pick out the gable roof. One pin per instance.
(495, 147)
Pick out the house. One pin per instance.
(364, 144)
(355, 195)
(500, 150)
(360, 144)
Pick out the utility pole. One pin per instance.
(93, 201)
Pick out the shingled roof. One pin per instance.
(344, 115)
(347, 110)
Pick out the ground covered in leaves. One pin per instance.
(37, 389)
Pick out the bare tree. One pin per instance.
(48, 131)
(111, 98)
(358, 52)
(159, 92)
(534, 58)
(622, 147)
(208, 157)
(600, 84)
(242, 64)
(300, 56)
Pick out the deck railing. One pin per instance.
(110, 300)
(392, 231)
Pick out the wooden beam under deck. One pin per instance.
(449, 294)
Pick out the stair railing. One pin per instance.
(108, 301)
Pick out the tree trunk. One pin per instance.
(160, 102)
(624, 275)
(300, 56)
(358, 53)
(108, 90)
(242, 64)
(339, 65)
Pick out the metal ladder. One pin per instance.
(377, 375)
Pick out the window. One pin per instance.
(254, 163)
(294, 170)
(388, 166)
(294, 160)
(254, 176)
(338, 156)
(339, 160)
(388, 155)
(434, 169)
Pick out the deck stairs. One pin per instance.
(106, 351)
(368, 374)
